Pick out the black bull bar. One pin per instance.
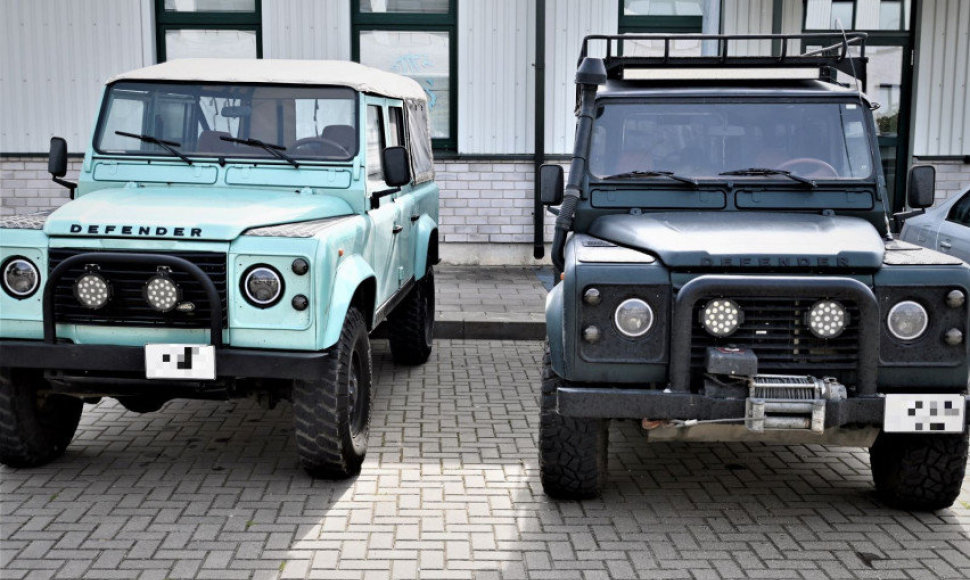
(773, 286)
(212, 295)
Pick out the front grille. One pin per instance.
(127, 307)
(775, 329)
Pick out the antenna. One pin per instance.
(845, 39)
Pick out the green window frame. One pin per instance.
(848, 25)
(628, 23)
(446, 22)
(169, 20)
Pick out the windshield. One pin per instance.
(705, 139)
(309, 122)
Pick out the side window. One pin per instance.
(395, 127)
(960, 213)
(375, 145)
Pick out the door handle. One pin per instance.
(397, 228)
(415, 217)
(946, 245)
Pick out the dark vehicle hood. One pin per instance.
(747, 240)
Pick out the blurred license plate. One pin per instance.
(924, 414)
(180, 361)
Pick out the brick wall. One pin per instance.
(26, 187)
(952, 177)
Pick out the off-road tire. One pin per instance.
(411, 324)
(332, 414)
(918, 472)
(572, 451)
(36, 425)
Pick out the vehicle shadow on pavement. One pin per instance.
(450, 489)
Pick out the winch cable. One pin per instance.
(577, 169)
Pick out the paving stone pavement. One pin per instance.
(449, 490)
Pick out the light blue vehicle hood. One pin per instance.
(186, 213)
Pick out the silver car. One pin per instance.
(945, 228)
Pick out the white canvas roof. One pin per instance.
(282, 71)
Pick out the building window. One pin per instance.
(417, 39)
(208, 28)
(661, 16)
(829, 14)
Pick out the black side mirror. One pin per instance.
(922, 186)
(57, 162)
(550, 184)
(397, 166)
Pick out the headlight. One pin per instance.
(20, 277)
(633, 317)
(92, 290)
(161, 292)
(907, 320)
(262, 285)
(721, 317)
(827, 319)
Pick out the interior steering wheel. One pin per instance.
(822, 169)
(320, 143)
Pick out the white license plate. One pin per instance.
(924, 414)
(180, 361)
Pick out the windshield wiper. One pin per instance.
(169, 146)
(766, 171)
(642, 173)
(274, 150)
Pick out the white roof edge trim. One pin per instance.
(281, 71)
(659, 74)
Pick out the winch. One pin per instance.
(789, 402)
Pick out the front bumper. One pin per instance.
(94, 359)
(614, 403)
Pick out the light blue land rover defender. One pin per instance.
(238, 229)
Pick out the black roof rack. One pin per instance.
(828, 59)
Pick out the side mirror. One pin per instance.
(397, 166)
(550, 184)
(57, 164)
(922, 186)
(57, 161)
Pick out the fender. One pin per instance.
(425, 229)
(554, 328)
(350, 274)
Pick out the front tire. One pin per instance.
(919, 472)
(572, 451)
(36, 425)
(411, 325)
(332, 414)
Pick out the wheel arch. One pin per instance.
(426, 248)
(355, 284)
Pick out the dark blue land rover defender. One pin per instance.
(729, 270)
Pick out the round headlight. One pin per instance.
(20, 277)
(721, 317)
(827, 319)
(907, 320)
(161, 293)
(633, 317)
(92, 290)
(262, 285)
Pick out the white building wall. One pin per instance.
(54, 59)
(567, 22)
(306, 29)
(942, 112)
(496, 76)
(748, 17)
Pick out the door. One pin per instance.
(954, 236)
(404, 201)
(380, 250)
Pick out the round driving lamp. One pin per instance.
(721, 317)
(92, 290)
(907, 320)
(20, 277)
(161, 292)
(262, 286)
(633, 317)
(827, 319)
